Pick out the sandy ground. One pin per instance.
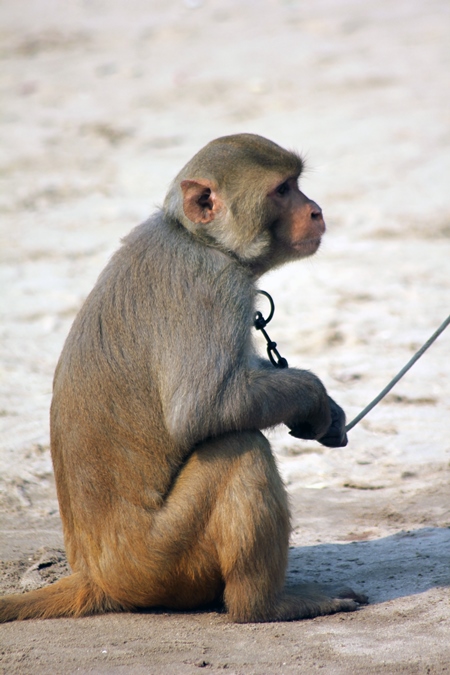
(101, 103)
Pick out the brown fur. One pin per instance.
(169, 493)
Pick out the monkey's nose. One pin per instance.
(317, 217)
(316, 211)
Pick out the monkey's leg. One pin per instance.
(223, 529)
(226, 512)
(250, 529)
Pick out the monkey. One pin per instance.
(168, 490)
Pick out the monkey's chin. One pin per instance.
(306, 247)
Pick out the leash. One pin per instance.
(279, 362)
(399, 375)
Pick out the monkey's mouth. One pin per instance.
(307, 244)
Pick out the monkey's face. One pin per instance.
(240, 194)
(299, 223)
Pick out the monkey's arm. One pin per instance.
(335, 436)
(296, 398)
(248, 398)
(213, 382)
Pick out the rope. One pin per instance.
(399, 375)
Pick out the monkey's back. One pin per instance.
(125, 381)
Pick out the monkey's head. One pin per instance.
(240, 194)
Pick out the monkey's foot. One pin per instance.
(307, 601)
(347, 593)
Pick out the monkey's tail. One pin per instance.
(71, 596)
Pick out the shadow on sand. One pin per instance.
(403, 564)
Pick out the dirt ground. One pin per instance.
(101, 103)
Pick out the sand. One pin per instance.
(101, 103)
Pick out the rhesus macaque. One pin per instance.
(169, 493)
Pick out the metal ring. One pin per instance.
(272, 305)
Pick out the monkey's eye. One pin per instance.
(283, 189)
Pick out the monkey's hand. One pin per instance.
(334, 437)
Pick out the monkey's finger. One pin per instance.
(334, 438)
(304, 431)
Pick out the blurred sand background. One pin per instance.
(101, 103)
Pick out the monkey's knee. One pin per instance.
(251, 492)
(253, 484)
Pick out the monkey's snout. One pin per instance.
(317, 218)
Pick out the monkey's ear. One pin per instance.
(200, 201)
